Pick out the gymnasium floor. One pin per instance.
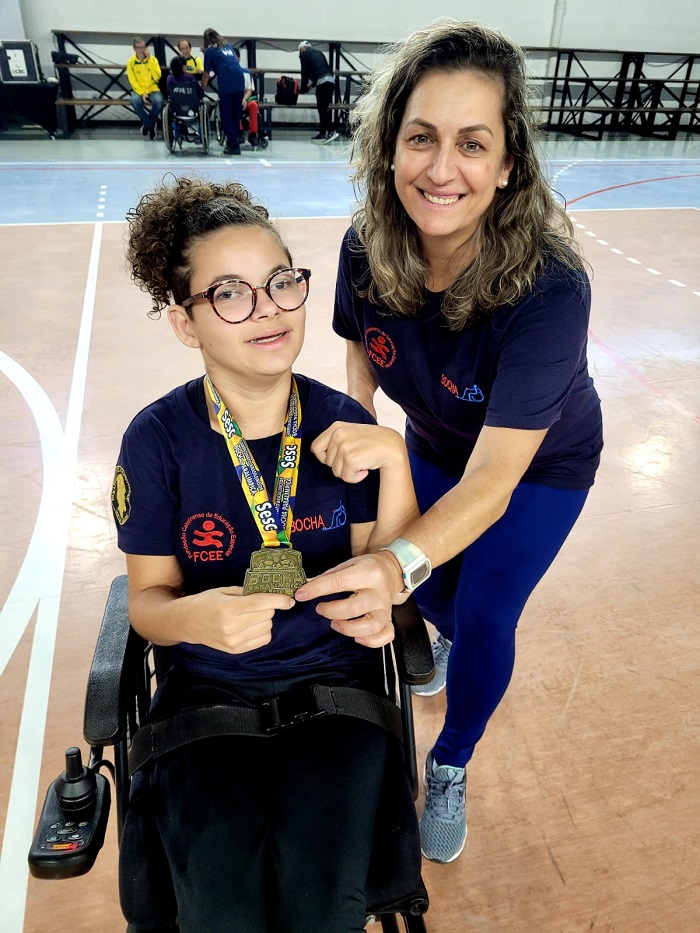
(583, 795)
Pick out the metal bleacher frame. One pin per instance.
(629, 99)
(571, 97)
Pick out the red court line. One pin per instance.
(640, 377)
(629, 184)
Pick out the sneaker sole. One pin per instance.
(427, 693)
(444, 861)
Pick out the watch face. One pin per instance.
(420, 574)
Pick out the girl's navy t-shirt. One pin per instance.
(523, 367)
(177, 493)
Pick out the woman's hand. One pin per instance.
(373, 580)
(351, 450)
(228, 621)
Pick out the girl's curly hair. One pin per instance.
(166, 223)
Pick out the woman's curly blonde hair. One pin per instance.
(523, 224)
(166, 223)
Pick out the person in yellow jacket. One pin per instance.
(193, 63)
(143, 72)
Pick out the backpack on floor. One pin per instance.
(287, 90)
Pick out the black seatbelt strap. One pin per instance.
(158, 738)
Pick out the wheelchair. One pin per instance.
(74, 817)
(263, 140)
(185, 119)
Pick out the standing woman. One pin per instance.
(221, 59)
(461, 294)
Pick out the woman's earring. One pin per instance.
(504, 183)
(392, 166)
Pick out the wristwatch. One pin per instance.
(415, 566)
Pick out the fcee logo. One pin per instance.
(470, 394)
(207, 537)
(380, 347)
(316, 522)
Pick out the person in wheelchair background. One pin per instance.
(180, 78)
(256, 834)
(249, 118)
(186, 114)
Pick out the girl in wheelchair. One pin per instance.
(234, 493)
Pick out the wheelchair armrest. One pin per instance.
(414, 658)
(110, 682)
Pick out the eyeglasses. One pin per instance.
(234, 300)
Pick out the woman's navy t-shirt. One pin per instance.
(523, 367)
(225, 65)
(179, 495)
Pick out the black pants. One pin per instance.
(324, 95)
(257, 835)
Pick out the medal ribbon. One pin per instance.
(274, 518)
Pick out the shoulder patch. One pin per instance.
(121, 496)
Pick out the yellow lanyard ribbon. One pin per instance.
(274, 518)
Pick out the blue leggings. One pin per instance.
(476, 598)
(231, 110)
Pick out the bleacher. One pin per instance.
(581, 92)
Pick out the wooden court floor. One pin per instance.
(583, 803)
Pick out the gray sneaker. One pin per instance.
(443, 822)
(441, 654)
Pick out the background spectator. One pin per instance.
(193, 63)
(220, 60)
(143, 72)
(316, 72)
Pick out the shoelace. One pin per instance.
(447, 796)
(441, 651)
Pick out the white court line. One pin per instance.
(553, 162)
(612, 210)
(47, 574)
(58, 223)
(73, 223)
(25, 592)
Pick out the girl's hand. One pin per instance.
(351, 450)
(231, 622)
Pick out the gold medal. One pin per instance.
(276, 567)
(274, 570)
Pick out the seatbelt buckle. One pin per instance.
(294, 706)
